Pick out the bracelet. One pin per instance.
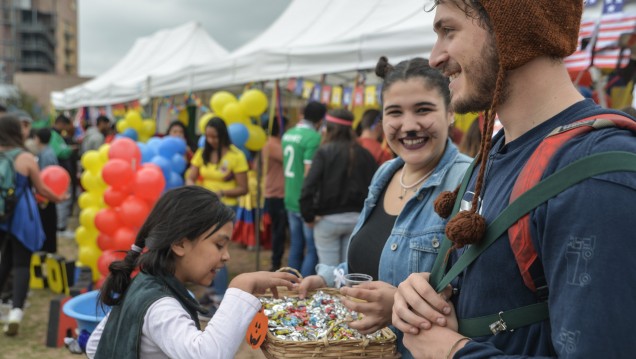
(448, 356)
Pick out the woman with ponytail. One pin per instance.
(184, 241)
(398, 232)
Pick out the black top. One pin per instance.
(366, 246)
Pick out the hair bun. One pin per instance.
(382, 68)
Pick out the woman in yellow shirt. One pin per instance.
(221, 166)
(223, 170)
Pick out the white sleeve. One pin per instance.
(93, 340)
(171, 328)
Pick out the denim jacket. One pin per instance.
(418, 231)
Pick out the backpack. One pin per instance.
(530, 191)
(8, 195)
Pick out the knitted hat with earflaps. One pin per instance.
(524, 30)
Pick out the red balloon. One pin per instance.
(127, 150)
(106, 259)
(104, 242)
(117, 172)
(56, 178)
(149, 183)
(107, 221)
(133, 211)
(114, 197)
(123, 238)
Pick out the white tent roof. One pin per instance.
(314, 37)
(171, 51)
(310, 38)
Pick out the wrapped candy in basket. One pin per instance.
(316, 327)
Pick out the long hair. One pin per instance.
(224, 139)
(11, 132)
(341, 136)
(184, 212)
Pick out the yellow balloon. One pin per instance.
(257, 138)
(134, 120)
(253, 102)
(203, 121)
(90, 199)
(86, 236)
(122, 125)
(93, 182)
(144, 138)
(88, 255)
(220, 99)
(148, 128)
(233, 113)
(103, 152)
(91, 160)
(87, 217)
(184, 117)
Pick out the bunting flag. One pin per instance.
(347, 96)
(612, 6)
(291, 85)
(316, 92)
(358, 96)
(601, 36)
(300, 87)
(336, 96)
(308, 88)
(326, 94)
(370, 96)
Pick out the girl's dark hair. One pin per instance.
(341, 135)
(184, 212)
(11, 132)
(177, 123)
(224, 139)
(414, 68)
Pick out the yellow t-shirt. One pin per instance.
(221, 176)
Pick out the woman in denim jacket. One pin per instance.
(398, 232)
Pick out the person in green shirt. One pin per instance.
(299, 145)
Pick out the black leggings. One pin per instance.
(15, 256)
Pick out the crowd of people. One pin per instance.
(507, 244)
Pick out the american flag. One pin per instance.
(606, 30)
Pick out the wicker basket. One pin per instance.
(275, 348)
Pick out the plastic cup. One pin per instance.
(354, 279)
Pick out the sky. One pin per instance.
(108, 29)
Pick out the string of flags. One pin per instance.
(359, 95)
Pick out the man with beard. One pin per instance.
(576, 291)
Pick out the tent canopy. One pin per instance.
(170, 51)
(310, 38)
(315, 37)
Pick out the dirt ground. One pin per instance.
(30, 342)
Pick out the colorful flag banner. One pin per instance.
(315, 93)
(370, 96)
(336, 96)
(358, 96)
(300, 86)
(612, 6)
(326, 94)
(347, 96)
(308, 87)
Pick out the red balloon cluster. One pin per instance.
(133, 190)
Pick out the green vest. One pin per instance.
(121, 337)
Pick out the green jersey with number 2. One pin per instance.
(299, 145)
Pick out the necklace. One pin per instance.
(405, 188)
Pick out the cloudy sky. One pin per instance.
(108, 29)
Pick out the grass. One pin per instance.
(30, 342)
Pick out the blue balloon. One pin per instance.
(201, 142)
(170, 145)
(238, 134)
(179, 163)
(130, 133)
(154, 144)
(147, 153)
(175, 180)
(164, 164)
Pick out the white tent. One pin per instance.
(172, 51)
(315, 37)
(310, 38)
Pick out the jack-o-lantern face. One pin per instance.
(257, 330)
